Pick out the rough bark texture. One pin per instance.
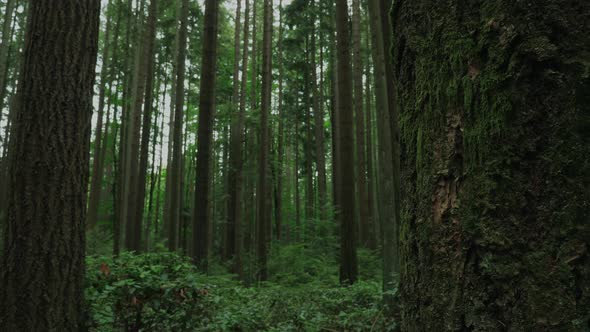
(495, 114)
(346, 196)
(42, 270)
(202, 213)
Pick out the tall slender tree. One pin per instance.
(318, 117)
(346, 208)
(263, 213)
(175, 200)
(202, 216)
(42, 268)
(361, 176)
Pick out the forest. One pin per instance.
(294, 165)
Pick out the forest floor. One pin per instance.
(164, 292)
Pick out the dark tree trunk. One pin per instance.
(42, 270)
(495, 235)
(235, 213)
(280, 138)
(236, 136)
(202, 216)
(175, 191)
(361, 168)
(346, 195)
(263, 212)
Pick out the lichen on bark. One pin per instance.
(494, 127)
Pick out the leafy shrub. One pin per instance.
(151, 292)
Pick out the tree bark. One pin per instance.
(202, 216)
(495, 234)
(346, 210)
(42, 269)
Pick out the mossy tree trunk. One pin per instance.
(494, 107)
(42, 269)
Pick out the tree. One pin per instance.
(318, 119)
(263, 211)
(237, 160)
(361, 169)
(42, 269)
(149, 40)
(495, 166)
(175, 183)
(235, 145)
(202, 217)
(389, 209)
(346, 194)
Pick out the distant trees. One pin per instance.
(42, 267)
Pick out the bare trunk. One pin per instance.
(42, 269)
(202, 213)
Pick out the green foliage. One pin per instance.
(164, 292)
(153, 292)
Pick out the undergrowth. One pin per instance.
(165, 292)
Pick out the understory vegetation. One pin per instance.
(165, 292)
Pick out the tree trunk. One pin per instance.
(263, 162)
(371, 215)
(280, 138)
(388, 209)
(319, 125)
(236, 133)
(495, 165)
(307, 103)
(235, 213)
(175, 204)
(363, 226)
(202, 217)
(42, 269)
(346, 210)
(148, 58)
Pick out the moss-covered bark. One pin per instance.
(494, 116)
